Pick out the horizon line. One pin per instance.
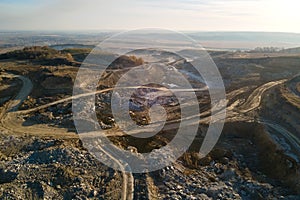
(124, 30)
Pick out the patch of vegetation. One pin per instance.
(126, 62)
(77, 50)
(43, 55)
(79, 54)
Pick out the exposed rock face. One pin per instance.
(55, 168)
(264, 154)
(47, 169)
(246, 163)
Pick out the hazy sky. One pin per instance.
(203, 15)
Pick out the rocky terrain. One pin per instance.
(35, 168)
(42, 157)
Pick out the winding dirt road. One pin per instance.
(20, 97)
(12, 122)
(254, 99)
(9, 115)
(10, 119)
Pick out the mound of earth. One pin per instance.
(43, 55)
(56, 82)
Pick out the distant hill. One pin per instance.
(291, 50)
(42, 55)
(71, 46)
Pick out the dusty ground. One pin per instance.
(42, 157)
